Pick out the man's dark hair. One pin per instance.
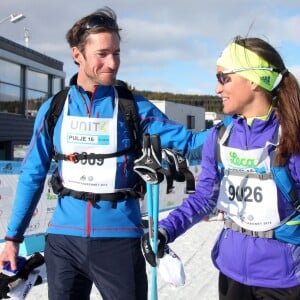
(102, 20)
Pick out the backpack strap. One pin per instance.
(55, 109)
(283, 177)
(223, 132)
(128, 109)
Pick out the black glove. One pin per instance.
(147, 249)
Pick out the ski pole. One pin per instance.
(156, 148)
(152, 234)
(153, 212)
(149, 168)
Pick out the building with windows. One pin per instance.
(193, 117)
(27, 79)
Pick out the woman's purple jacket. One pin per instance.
(249, 260)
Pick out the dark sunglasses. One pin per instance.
(101, 21)
(223, 77)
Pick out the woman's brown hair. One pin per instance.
(285, 98)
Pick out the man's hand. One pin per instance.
(147, 249)
(9, 254)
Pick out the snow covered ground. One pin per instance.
(194, 250)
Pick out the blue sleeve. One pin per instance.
(31, 180)
(203, 201)
(172, 134)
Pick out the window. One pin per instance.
(190, 122)
(36, 81)
(10, 100)
(10, 90)
(10, 72)
(56, 85)
(19, 151)
(34, 101)
(209, 124)
(36, 91)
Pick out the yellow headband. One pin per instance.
(250, 66)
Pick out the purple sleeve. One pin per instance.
(203, 202)
(294, 166)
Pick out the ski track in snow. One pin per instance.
(194, 249)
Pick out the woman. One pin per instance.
(245, 168)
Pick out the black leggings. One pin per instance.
(230, 289)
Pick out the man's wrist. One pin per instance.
(13, 239)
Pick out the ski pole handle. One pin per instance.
(156, 146)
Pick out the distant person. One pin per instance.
(95, 232)
(250, 173)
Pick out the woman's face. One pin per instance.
(236, 92)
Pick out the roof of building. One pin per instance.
(33, 55)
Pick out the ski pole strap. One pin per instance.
(179, 169)
(148, 166)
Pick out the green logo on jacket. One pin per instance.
(242, 162)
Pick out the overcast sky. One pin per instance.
(167, 45)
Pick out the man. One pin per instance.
(94, 235)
